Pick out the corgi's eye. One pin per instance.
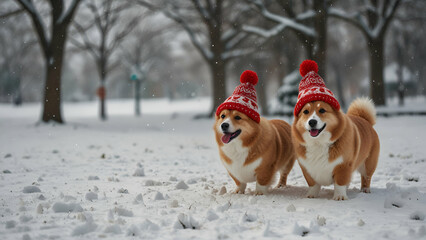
(237, 118)
(306, 112)
(222, 116)
(322, 110)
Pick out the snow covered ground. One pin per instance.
(159, 177)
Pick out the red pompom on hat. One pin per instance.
(312, 88)
(307, 66)
(244, 98)
(249, 76)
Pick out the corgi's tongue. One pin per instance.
(226, 138)
(314, 132)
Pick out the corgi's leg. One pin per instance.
(314, 188)
(284, 173)
(342, 176)
(241, 187)
(264, 175)
(369, 167)
(365, 180)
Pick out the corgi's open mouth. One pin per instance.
(227, 137)
(315, 132)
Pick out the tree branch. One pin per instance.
(12, 13)
(87, 44)
(390, 13)
(205, 15)
(68, 15)
(205, 53)
(121, 35)
(38, 23)
(353, 19)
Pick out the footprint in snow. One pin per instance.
(417, 215)
(91, 196)
(181, 185)
(31, 189)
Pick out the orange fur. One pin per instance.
(269, 140)
(353, 139)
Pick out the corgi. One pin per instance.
(331, 145)
(252, 151)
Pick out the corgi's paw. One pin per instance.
(313, 191)
(240, 189)
(340, 197)
(261, 189)
(340, 193)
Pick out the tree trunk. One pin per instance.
(320, 25)
(261, 96)
(218, 84)
(400, 72)
(52, 94)
(217, 63)
(377, 86)
(339, 79)
(308, 43)
(102, 111)
(102, 66)
(137, 97)
(52, 89)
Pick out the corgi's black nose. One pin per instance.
(312, 122)
(224, 126)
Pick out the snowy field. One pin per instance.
(159, 177)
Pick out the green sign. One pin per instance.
(134, 77)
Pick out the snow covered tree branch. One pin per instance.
(283, 22)
(310, 25)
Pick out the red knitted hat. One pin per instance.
(244, 97)
(312, 88)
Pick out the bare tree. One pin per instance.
(408, 32)
(309, 25)
(372, 19)
(14, 54)
(214, 28)
(53, 48)
(145, 52)
(105, 18)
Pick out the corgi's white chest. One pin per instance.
(238, 155)
(317, 160)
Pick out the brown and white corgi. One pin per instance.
(331, 145)
(252, 148)
(254, 152)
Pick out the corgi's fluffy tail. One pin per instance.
(364, 108)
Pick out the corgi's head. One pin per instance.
(232, 124)
(318, 121)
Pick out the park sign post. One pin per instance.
(135, 78)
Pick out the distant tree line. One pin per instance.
(141, 37)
